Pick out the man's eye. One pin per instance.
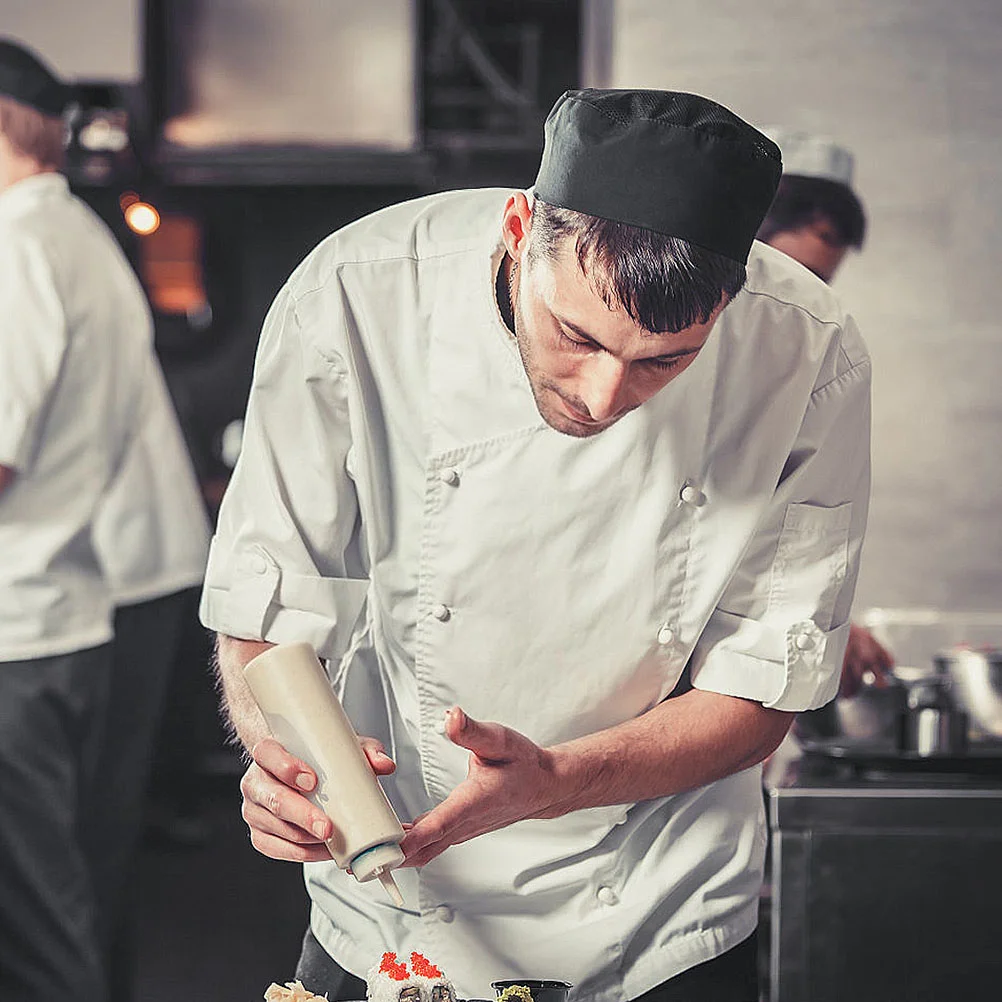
(575, 343)
(666, 364)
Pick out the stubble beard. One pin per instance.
(542, 388)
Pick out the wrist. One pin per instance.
(570, 776)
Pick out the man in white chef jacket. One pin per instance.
(511, 460)
(74, 353)
(152, 539)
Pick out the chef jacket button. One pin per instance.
(449, 476)
(257, 563)
(804, 642)
(607, 896)
(441, 613)
(444, 913)
(665, 635)
(692, 495)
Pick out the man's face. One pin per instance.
(816, 246)
(588, 365)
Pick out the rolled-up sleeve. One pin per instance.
(283, 564)
(779, 631)
(33, 343)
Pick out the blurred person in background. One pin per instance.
(76, 367)
(152, 538)
(817, 218)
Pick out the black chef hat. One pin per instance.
(674, 163)
(26, 79)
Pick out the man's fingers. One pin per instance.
(261, 788)
(277, 848)
(456, 819)
(375, 752)
(271, 756)
(264, 821)
(426, 855)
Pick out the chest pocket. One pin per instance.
(811, 559)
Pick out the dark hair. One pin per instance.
(663, 283)
(801, 201)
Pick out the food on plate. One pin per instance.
(392, 981)
(515, 993)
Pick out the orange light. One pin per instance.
(142, 218)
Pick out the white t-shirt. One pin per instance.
(74, 346)
(400, 504)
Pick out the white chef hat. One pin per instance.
(810, 155)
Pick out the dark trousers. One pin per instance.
(731, 977)
(52, 715)
(76, 743)
(147, 639)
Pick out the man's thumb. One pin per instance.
(488, 741)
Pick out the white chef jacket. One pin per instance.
(400, 504)
(73, 342)
(152, 531)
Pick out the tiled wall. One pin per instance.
(914, 87)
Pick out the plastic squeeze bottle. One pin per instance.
(307, 719)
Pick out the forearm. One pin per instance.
(680, 744)
(246, 721)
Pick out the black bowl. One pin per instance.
(541, 990)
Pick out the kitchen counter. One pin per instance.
(886, 884)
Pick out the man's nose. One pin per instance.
(604, 386)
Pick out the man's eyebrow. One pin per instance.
(678, 353)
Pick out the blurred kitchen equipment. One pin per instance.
(975, 675)
(931, 724)
(914, 636)
(873, 713)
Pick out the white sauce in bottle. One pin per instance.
(307, 719)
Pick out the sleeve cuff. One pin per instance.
(246, 595)
(793, 668)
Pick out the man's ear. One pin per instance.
(516, 224)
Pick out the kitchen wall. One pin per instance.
(94, 40)
(914, 88)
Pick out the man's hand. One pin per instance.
(283, 823)
(509, 778)
(864, 655)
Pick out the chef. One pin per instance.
(511, 461)
(74, 354)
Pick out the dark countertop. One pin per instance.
(875, 787)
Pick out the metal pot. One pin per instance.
(976, 684)
(872, 715)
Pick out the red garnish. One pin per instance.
(420, 965)
(389, 966)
